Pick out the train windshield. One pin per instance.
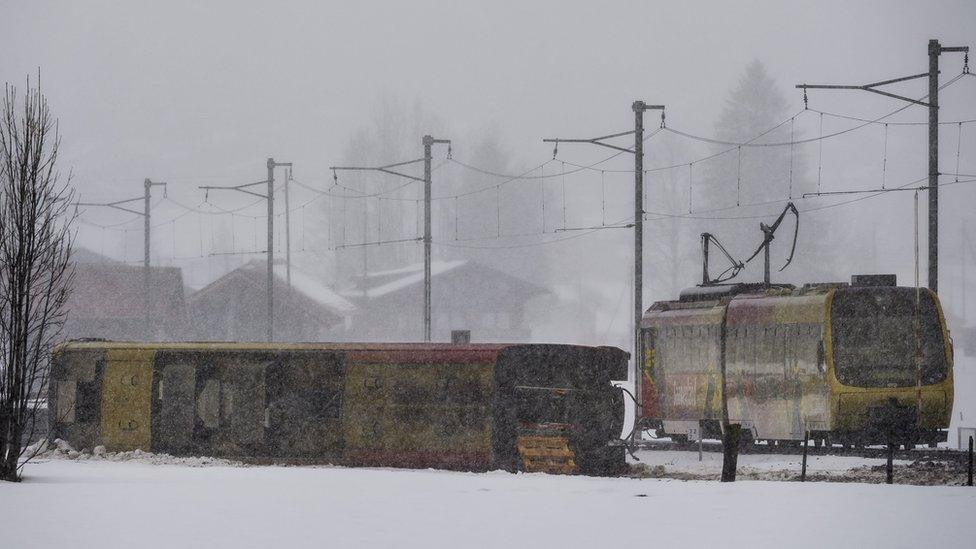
(881, 338)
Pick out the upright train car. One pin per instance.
(856, 364)
(470, 407)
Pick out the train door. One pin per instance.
(230, 402)
(174, 407)
(303, 417)
(126, 400)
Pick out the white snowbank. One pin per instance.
(98, 503)
(43, 451)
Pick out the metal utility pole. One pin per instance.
(934, 50)
(147, 228)
(269, 315)
(270, 282)
(639, 107)
(287, 230)
(428, 143)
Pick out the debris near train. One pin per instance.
(917, 473)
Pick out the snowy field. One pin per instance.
(79, 504)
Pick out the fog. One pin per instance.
(195, 95)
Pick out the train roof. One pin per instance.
(755, 302)
(330, 346)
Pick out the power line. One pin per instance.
(512, 177)
(450, 244)
(749, 143)
(696, 160)
(935, 51)
(360, 194)
(870, 121)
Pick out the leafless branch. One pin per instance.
(35, 268)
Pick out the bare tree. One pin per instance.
(35, 272)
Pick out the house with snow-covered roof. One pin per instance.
(465, 295)
(108, 301)
(233, 307)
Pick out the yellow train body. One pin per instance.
(792, 363)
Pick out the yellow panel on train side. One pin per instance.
(418, 407)
(126, 399)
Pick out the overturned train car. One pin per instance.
(845, 363)
(470, 407)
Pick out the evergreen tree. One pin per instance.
(672, 253)
(748, 181)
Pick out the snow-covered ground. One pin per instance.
(964, 401)
(105, 504)
(135, 500)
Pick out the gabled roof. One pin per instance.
(84, 255)
(116, 290)
(314, 289)
(382, 283)
(303, 283)
(404, 277)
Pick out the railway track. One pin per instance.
(880, 452)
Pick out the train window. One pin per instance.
(876, 342)
(542, 406)
(66, 392)
(208, 404)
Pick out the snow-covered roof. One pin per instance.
(315, 290)
(412, 274)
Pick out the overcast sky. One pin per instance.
(195, 90)
(203, 92)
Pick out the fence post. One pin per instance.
(701, 438)
(889, 470)
(969, 481)
(803, 468)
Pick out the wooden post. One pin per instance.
(803, 468)
(889, 469)
(730, 451)
(969, 481)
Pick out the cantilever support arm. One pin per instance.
(593, 141)
(239, 188)
(115, 205)
(872, 87)
(387, 169)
